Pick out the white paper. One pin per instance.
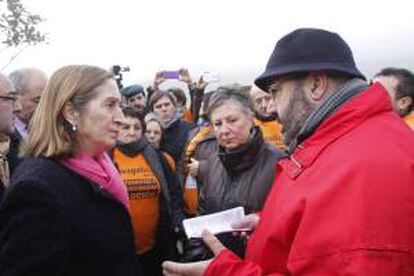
(215, 223)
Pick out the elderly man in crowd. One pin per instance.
(343, 202)
(399, 83)
(29, 84)
(264, 118)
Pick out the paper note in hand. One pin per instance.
(215, 223)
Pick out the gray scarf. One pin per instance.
(333, 102)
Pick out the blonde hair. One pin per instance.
(50, 135)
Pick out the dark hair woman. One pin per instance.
(242, 171)
(155, 197)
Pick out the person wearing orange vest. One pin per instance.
(399, 84)
(271, 128)
(155, 196)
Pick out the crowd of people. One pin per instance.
(96, 179)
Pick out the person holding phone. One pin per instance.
(196, 90)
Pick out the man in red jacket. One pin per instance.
(343, 201)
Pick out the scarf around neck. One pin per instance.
(102, 171)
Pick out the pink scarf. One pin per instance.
(102, 171)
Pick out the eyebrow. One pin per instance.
(112, 98)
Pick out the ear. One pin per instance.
(70, 114)
(316, 86)
(404, 103)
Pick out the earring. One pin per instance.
(74, 128)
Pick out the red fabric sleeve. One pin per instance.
(228, 264)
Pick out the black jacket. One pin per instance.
(13, 154)
(174, 139)
(54, 222)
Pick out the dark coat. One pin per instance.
(13, 154)
(232, 179)
(240, 178)
(54, 222)
(2, 188)
(174, 139)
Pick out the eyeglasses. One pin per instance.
(11, 99)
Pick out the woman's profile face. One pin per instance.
(153, 133)
(231, 125)
(131, 130)
(99, 123)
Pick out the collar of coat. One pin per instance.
(133, 148)
(367, 104)
(245, 157)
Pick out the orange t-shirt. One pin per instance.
(272, 133)
(144, 195)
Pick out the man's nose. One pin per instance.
(17, 106)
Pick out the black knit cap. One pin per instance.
(308, 50)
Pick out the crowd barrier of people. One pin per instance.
(97, 177)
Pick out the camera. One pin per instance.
(116, 70)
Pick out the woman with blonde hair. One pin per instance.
(66, 210)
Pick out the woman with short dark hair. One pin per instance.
(242, 171)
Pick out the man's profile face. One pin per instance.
(8, 103)
(292, 106)
(391, 83)
(30, 98)
(261, 100)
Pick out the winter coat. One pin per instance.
(240, 178)
(342, 204)
(174, 138)
(54, 222)
(13, 155)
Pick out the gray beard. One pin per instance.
(297, 111)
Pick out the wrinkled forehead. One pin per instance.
(256, 93)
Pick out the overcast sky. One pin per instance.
(234, 38)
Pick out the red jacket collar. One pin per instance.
(372, 101)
